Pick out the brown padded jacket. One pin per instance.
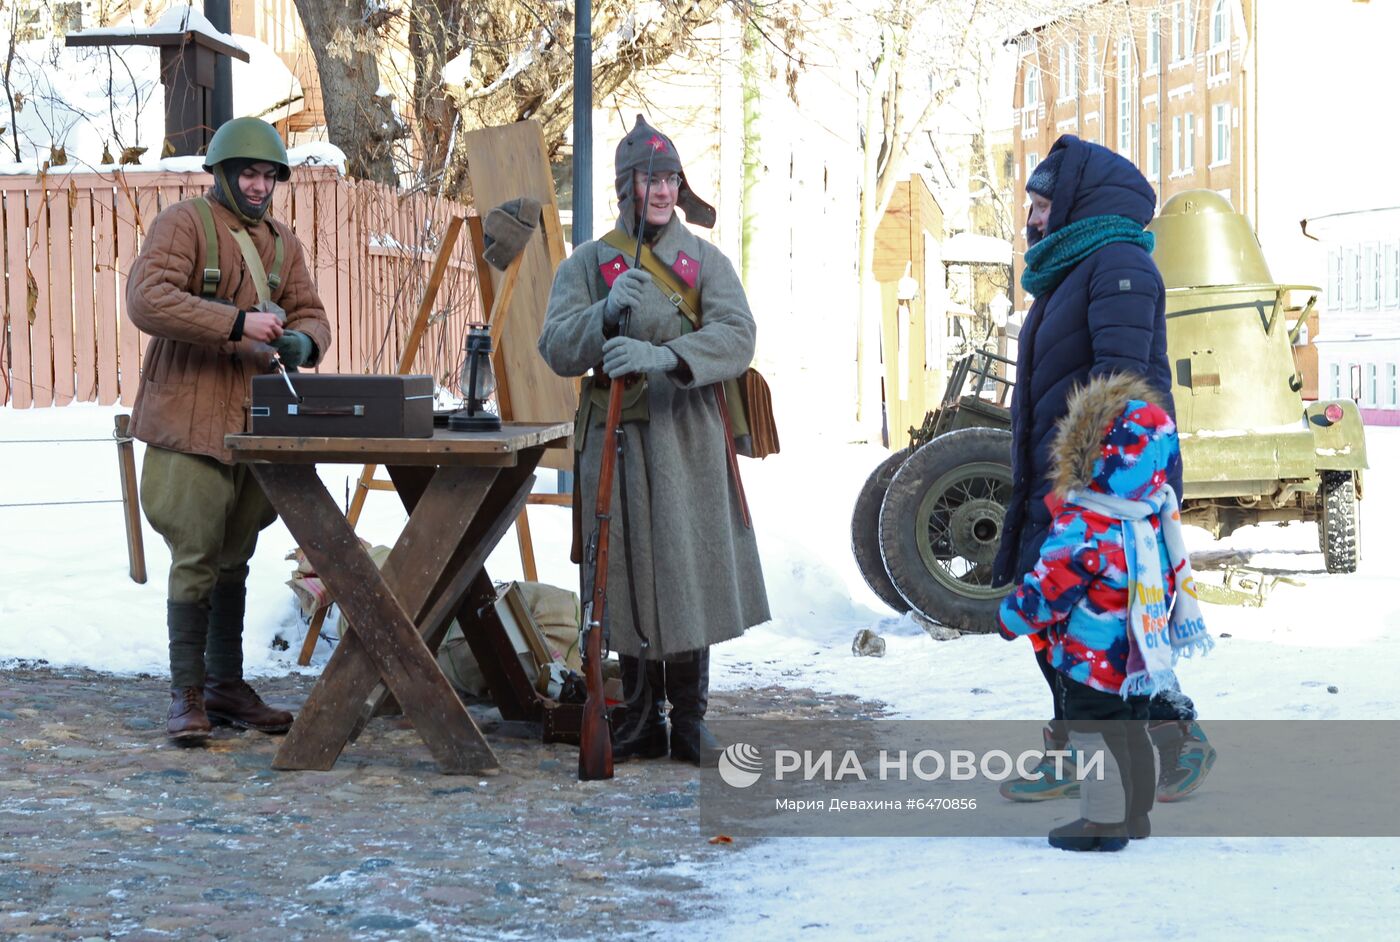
(196, 382)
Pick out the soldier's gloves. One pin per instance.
(626, 292)
(625, 355)
(272, 307)
(294, 348)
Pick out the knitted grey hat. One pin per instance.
(1042, 179)
(645, 146)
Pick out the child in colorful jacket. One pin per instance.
(1111, 597)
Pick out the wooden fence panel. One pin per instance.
(84, 312)
(40, 341)
(69, 249)
(128, 203)
(17, 303)
(108, 309)
(58, 235)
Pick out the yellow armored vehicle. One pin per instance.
(927, 523)
(1252, 449)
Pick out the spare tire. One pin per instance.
(940, 526)
(865, 531)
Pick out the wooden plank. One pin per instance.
(60, 239)
(429, 299)
(40, 339)
(84, 310)
(129, 338)
(506, 163)
(108, 310)
(323, 238)
(345, 250)
(17, 301)
(386, 641)
(445, 447)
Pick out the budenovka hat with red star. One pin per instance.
(644, 145)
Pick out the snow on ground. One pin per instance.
(65, 597)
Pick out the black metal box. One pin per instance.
(343, 405)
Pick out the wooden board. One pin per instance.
(444, 448)
(505, 163)
(84, 314)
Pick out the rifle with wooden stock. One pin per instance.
(595, 755)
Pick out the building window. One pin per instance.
(1222, 134)
(1353, 298)
(1178, 33)
(1375, 275)
(1183, 143)
(1031, 161)
(1069, 71)
(1125, 97)
(1032, 96)
(1154, 42)
(1392, 395)
(1219, 23)
(1336, 374)
(1371, 390)
(1095, 65)
(1392, 274)
(1334, 280)
(1154, 152)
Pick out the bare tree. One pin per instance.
(360, 119)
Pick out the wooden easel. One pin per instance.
(496, 301)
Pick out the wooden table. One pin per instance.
(462, 491)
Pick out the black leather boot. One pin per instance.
(639, 726)
(688, 689)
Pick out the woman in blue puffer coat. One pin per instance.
(1099, 309)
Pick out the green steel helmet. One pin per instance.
(249, 139)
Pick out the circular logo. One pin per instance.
(740, 765)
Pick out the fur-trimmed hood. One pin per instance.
(1115, 438)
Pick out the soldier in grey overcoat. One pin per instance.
(682, 558)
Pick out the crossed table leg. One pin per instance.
(398, 614)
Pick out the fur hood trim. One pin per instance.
(1081, 434)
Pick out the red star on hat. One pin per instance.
(657, 143)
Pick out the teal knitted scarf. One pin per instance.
(1053, 257)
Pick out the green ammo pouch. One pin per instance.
(593, 406)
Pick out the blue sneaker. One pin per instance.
(1187, 758)
(1048, 785)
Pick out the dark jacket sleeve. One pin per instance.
(1123, 298)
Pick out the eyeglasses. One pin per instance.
(672, 180)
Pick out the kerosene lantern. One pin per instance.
(478, 385)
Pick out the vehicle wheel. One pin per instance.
(1337, 531)
(940, 526)
(865, 531)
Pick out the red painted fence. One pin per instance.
(68, 241)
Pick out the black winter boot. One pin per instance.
(223, 656)
(688, 689)
(639, 726)
(1141, 780)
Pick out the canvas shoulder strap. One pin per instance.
(209, 281)
(684, 297)
(264, 282)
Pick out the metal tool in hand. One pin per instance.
(281, 368)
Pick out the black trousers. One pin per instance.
(1168, 705)
(1123, 725)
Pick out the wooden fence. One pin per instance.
(68, 242)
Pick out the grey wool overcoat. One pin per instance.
(697, 575)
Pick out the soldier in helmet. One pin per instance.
(219, 286)
(684, 571)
